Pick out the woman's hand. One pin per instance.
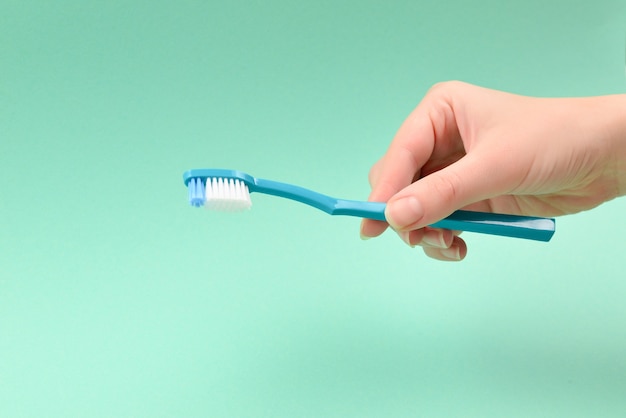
(468, 147)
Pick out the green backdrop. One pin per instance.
(117, 299)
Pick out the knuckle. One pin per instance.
(448, 89)
(448, 186)
(444, 86)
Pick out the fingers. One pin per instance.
(440, 244)
(409, 151)
(428, 237)
(371, 228)
(437, 195)
(427, 173)
(455, 252)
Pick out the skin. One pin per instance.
(468, 147)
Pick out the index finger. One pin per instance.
(410, 149)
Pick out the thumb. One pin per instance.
(437, 195)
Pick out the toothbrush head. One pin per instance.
(220, 194)
(218, 189)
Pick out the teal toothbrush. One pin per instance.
(229, 190)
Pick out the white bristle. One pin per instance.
(227, 195)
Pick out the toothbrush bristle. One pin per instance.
(227, 195)
(196, 192)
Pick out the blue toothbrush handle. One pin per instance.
(527, 227)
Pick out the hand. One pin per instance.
(468, 147)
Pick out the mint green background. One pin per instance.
(119, 300)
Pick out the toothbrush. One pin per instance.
(229, 190)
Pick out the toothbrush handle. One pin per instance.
(527, 227)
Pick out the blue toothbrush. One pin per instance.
(229, 190)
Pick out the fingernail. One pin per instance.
(434, 240)
(453, 253)
(404, 212)
(405, 238)
(365, 237)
